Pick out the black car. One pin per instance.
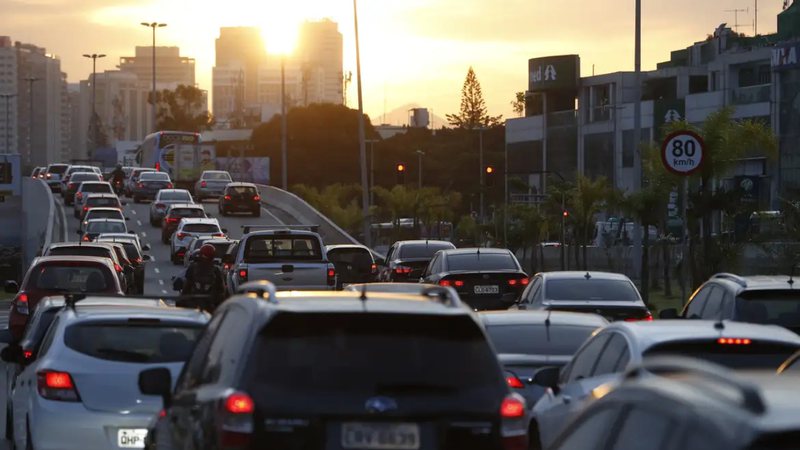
(406, 260)
(240, 198)
(335, 370)
(149, 184)
(353, 263)
(683, 404)
(485, 278)
(75, 180)
(769, 300)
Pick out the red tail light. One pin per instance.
(458, 283)
(172, 220)
(227, 197)
(331, 276)
(27, 354)
(518, 282)
(169, 185)
(180, 235)
(647, 318)
(242, 274)
(514, 382)
(158, 166)
(734, 341)
(21, 303)
(85, 238)
(512, 408)
(236, 421)
(85, 208)
(203, 184)
(257, 198)
(514, 427)
(219, 235)
(402, 270)
(374, 268)
(140, 185)
(117, 267)
(239, 403)
(57, 386)
(445, 283)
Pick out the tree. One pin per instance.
(518, 104)
(473, 113)
(586, 200)
(181, 110)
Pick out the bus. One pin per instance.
(156, 152)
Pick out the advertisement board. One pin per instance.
(554, 73)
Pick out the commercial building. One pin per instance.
(172, 69)
(8, 96)
(240, 54)
(575, 125)
(320, 58)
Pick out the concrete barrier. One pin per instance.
(38, 217)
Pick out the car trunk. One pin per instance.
(294, 275)
(353, 265)
(97, 379)
(611, 310)
(487, 289)
(155, 185)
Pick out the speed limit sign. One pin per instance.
(682, 152)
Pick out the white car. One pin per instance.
(82, 390)
(102, 213)
(188, 229)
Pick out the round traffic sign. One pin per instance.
(682, 152)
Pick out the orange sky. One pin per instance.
(413, 51)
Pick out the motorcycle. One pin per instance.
(118, 187)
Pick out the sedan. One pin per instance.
(87, 188)
(211, 184)
(75, 180)
(149, 184)
(188, 230)
(102, 213)
(165, 198)
(96, 227)
(175, 213)
(133, 178)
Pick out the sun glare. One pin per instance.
(280, 38)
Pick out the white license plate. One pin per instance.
(131, 437)
(487, 289)
(380, 436)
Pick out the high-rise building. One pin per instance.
(172, 69)
(240, 54)
(320, 57)
(8, 96)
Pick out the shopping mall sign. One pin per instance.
(553, 73)
(785, 57)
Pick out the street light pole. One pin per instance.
(30, 81)
(637, 139)
(8, 121)
(361, 137)
(371, 143)
(480, 174)
(94, 57)
(420, 154)
(284, 137)
(154, 25)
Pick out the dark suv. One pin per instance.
(322, 370)
(682, 404)
(240, 197)
(406, 260)
(760, 299)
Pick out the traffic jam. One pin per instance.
(192, 317)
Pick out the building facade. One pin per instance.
(320, 58)
(172, 69)
(9, 90)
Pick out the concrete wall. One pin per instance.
(35, 218)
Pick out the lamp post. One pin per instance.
(480, 173)
(420, 154)
(30, 81)
(361, 138)
(637, 138)
(371, 143)
(94, 57)
(8, 97)
(284, 137)
(154, 25)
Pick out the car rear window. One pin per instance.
(95, 214)
(276, 248)
(138, 172)
(775, 307)
(216, 176)
(96, 187)
(590, 290)
(755, 355)
(57, 169)
(241, 190)
(482, 262)
(201, 228)
(84, 176)
(132, 251)
(187, 212)
(72, 278)
(80, 251)
(175, 196)
(537, 339)
(102, 201)
(413, 251)
(154, 176)
(105, 227)
(324, 355)
(135, 341)
(357, 257)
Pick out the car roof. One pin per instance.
(134, 311)
(71, 259)
(88, 183)
(105, 219)
(475, 251)
(282, 231)
(649, 334)
(58, 300)
(167, 191)
(78, 244)
(241, 184)
(102, 195)
(557, 318)
(739, 284)
(424, 242)
(127, 236)
(576, 274)
(103, 208)
(194, 220)
(347, 247)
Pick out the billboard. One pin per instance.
(554, 73)
(248, 169)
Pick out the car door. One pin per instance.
(591, 431)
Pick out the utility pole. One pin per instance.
(420, 154)
(8, 98)
(636, 254)
(30, 81)
(94, 57)
(284, 137)
(362, 139)
(480, 174)
(154, 25)
(371, 143)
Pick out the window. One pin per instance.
(714, 305)
(435, 265)
(591, 290)
(536, 339)
(154, 176)
(241, 191)
(80, 251)
(481, 262)
(71, 278)
(777, 307)
(422, 251)
(614, 357)
(591, 431)
(234, 320)
(145, 342)
(220, 176)
(106, 227)
(644, 426)
(102, 202)
(47, 342)
(99, 188)
(187, 212)
(276, 248)
(694, 309)
(759, 354)
(200, 228)
(175, 196)
(582, 365)
(190, 377)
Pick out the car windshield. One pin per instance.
(80, 251)
(277, 248)
(102, 201)
(481, 262)
(590, 290)
(106, 227)
(216, 176)
(538, 339)
(324, 355)
(72, 278)
(175, 196)
(145, 341)
(96, 187)
(187, 212)
(154, 176)
(421, 251)
(774, 307)
(201, 228)
(757, 354)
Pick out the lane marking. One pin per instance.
(139, 222)
(161, 282)
(133, 211)
(156, 270)
(163, 292)
(279, 222)
(144, 234)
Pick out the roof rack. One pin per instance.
(247, 228)
(751, 397)
(444, 295)
(730, 277)
(259, 288)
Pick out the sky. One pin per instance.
(412, 51)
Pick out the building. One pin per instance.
(8, 96)
(240, 54)
(577, 125)
(320, 57)
(172, 69)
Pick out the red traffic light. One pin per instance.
(565, 213)
(401, 167)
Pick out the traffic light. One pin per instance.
(489, 176)
(565, 213)
(400, 172)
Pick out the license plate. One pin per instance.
(131, 437)
(487, 289)
(380, 436)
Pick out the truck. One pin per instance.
(188, 161)
(292, 257)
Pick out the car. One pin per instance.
(290, 257)
(605, 357)
(211, 184)
(86, 189)
(92, 201)
(485, 278)
(391, 288)
(175, 213)
(406, 260)
(57, 275)
(678, 403)
(75, 168)
(101, 250)
(71, 186)
(133, 178)
(135, 251)
(163, 199)
(376, 367)
(102, 213)
(757, 299)
(240, 197)
(221, 245)
(37, 171)
(85, 377)
(527, 341)
(187, 230)
(95, 227)
(53, 174)
(612, 295)
(149, 184)
(128, 267)
(353, 263)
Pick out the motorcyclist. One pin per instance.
(117, 178)
(204, 279)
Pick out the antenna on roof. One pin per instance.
(363, 296)
(791, 275)
(588, 276)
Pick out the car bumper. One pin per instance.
(67, 425)
(209, 192)
(241, 206)
(489, 302)
(54, 185)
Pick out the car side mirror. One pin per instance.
(12, 354)
(158, 382)
(547, 377)
(146, 247)
(670, 313)
(11, 287)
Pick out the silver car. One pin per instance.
(211, 184)
(164, 198)
(84, 190)
(82, 391)
(188, 229)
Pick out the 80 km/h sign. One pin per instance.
(682, 152)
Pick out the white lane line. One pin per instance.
(161, 282)
(272, 215)
(163, 291)
(144, 234)
(156, 270)
(133, 211)
(139, 222)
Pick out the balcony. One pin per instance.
(751, 94)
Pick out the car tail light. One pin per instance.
(21, 303)
(518, 282)
(734, 341)
(331, 275)
(219, 234)
(514, 382)
(180, 235)
(226, 266)
(172, 220)
(402, 270)
(158, 166)
(646, 318)
(58, 386)
(242, 275)
(160, 206)
(445, 283)
(85, 208)
(458, 283)
(513, 429)
(169, 185)
(85, 238)
(227, 197)
(203, 184)
(236, 424)
(374, 268)
(117, 267)
(257, 198)
(27, 354)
